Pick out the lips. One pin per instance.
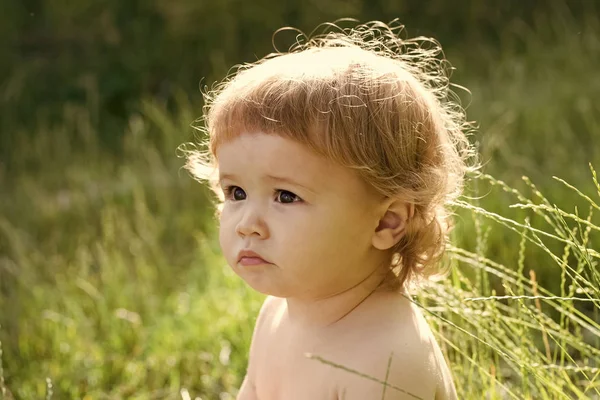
(249, 257)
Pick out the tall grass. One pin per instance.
(528, 342)
(112, 285)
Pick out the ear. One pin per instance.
(392, 225)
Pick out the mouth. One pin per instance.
(249, 257)
(252, 261)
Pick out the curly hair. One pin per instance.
(368, 100)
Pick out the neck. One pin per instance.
(326, 311)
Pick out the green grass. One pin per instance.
(112, 285)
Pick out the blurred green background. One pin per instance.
(111, 282)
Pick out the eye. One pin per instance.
(230, 191)
(287, 197)
(235, 193)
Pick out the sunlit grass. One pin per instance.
(527, 341)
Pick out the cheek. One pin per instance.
(328, 235)
(225, 234)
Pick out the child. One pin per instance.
(333, 163)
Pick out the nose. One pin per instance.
(252, 223)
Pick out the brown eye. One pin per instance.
(286, 197)
(238, 194)
(232, 193)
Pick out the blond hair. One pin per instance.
(368, 100)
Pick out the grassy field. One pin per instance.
(112, 284)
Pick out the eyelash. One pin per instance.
(228, 191)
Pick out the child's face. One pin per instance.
(315, 233)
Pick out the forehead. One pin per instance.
(270, 154)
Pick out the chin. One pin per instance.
(264, 279)
(270, 291)
(266, 287)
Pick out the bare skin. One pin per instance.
(280, 369)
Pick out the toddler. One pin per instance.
(333, 163)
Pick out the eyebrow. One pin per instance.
(273, 178)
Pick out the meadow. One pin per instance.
(112, 284)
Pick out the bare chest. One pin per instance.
(284, 370)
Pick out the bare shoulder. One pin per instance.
(264, 320)
(393, 343)
(268, 318)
